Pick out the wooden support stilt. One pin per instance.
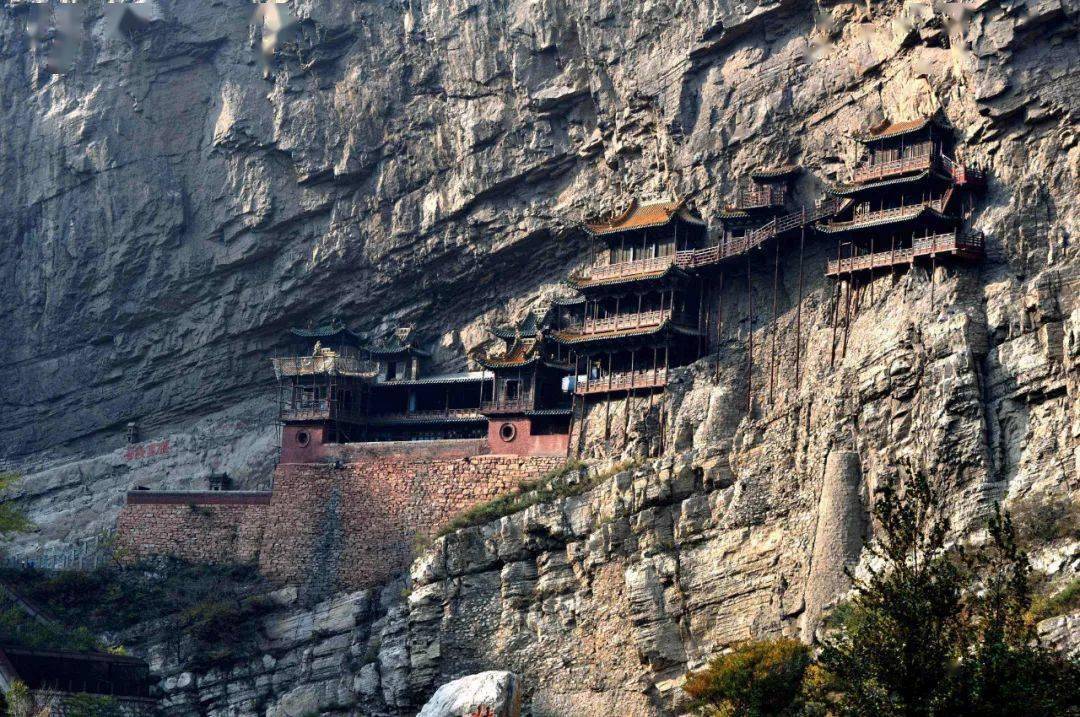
(607, 401)
(835, 307)
(892, 259)
(798, 305)
(719, 322)
(629, 400)
(847, 321)
(871, 271)
(775, 331)
(701, 300)
(707, 308)
(933, 277)
(750, 333)
(573, 406)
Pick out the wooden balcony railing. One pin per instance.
(870, 218)
(922, 158)
(626, 322)
(406, 416)
(730, 248)
(622, 381)
(322, 410)
(962, 173)
(503, 405)
(627, 268)
(757, 197)
(947, 243)
(320, 365)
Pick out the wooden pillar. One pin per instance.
(719, 322)
(750, 334)
(798, 304)
(836, 307)
(700, 313)
(573, 405)
(607, 401)
(775, 332)
(871, 270)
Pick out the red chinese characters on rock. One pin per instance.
(146, 450)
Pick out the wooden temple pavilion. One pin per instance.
(338, 388)
(529, 411)
(905, 201)
(405, 404)
(55, 677)
(640, 314)
(322, 384)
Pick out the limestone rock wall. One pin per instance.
(178, 203)
(174, 202)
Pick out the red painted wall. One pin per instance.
(293, 448)
(524, 443)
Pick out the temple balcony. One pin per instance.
(893, 215)
(894, 167)
(624, 270)
(321, 410)
(962, 174)
(950, 243)
(626, 322)
(446, 415)
(921, 158)
(329, 365)
(759, 197)
(623, 381)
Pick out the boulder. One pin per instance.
(493, 694)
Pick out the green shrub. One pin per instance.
(11, 519)
(1043, 519)
(19, 629)
(562, 482)
(216, 606)
(85, 705)
(756, 679)
(1062, 602)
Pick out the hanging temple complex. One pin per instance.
(375, 449)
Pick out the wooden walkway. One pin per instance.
(710, 256)
(950, 244)
(625, 381)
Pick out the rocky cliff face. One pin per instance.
(172, 204)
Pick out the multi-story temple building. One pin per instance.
(322, 386)
(641, 311)
(905, 201)
(529, 412)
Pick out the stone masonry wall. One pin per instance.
(357, 525)
(199, 527)
(348, 524)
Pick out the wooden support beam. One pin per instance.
(750, 335)
(775, 332)
(719, 322)
(798, 304)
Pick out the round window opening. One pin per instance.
(507, 432)
(302, 438)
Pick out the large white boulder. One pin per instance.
(495, 690)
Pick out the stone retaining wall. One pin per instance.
(349, 523)
(211, 527)
(358, 525)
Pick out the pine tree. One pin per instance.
(898, 653)
(935, 632)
